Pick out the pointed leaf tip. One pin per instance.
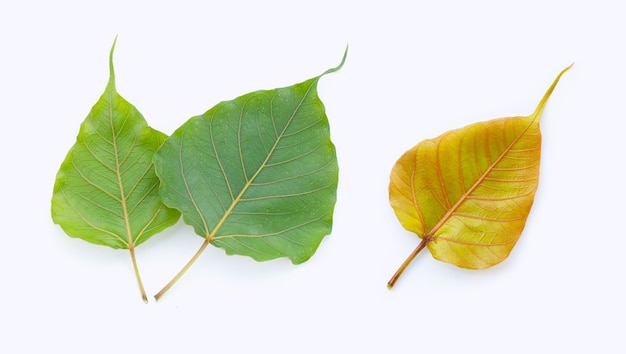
(111, 69)
(548, 93)
(338, 67)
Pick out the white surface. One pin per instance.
(414, 70)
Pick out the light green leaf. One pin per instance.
(256, 176)
(106, 191)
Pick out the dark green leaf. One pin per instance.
(256, 176)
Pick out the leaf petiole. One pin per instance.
(193, 259)
(144, 297)
(408, 261)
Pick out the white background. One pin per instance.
(414, 70)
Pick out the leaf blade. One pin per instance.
(265, 129)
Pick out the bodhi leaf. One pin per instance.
(467, 193)
(256, 176)
(106, 191)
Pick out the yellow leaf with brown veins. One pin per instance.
(468, 192)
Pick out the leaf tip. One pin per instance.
(338, 67)
(546, 96)
(111, 69)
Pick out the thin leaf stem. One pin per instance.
(144, 297)
(206, 242)
(408, 261)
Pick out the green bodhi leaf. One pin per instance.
(106, 191)
(256, 176)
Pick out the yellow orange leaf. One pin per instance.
(468, 192)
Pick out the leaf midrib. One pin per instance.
(464, 197)
(118, 172)
(211, 235)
